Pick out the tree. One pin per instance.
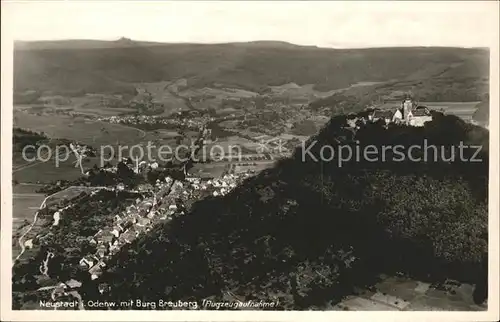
(124, 173)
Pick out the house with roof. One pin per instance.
(143, 222)
(163, 190)
(102, 250)
(151, 214)
(139, 230)
(397, 116)
(385, 115)
(131, 219)
(96, 271)
(143, 212)
(59, 290)
(132, 208)
(104, 237)
(117, 230)
(115, 248)
(419, 116)
(351, 122)
(103, 287)
(72, 283)
(144, 187)
(128, 236)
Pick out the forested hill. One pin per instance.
(309, 232)
(78, 66)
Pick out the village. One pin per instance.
(164, 201)
(161, 202)
(158, 121)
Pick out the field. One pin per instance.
(211, 170)
(223, 147)
(25, 203)
(45, 172)
(99, 135)
(162, 93)
(98, 111)
(218, 93)
(464, 110)
(402, 294)
(68, 193)
(75, 128)
(168, 134)
(25, 206)
(102, 136)
(291, 137)
(18, 160)
(79, 105)
(258, 167)
(305, 92)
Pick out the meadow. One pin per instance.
(89, 132)
(24, 207)
(256, 166)
(163, 94)
(464, 110)
(45, 172)
(25, 203)
(224, 146)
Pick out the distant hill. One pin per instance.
(482, 114)
(74, 67)
(81, 44)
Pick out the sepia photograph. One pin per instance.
(249, 160)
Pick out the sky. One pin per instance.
(337, 24)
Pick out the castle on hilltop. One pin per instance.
(409, 113)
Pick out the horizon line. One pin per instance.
(347, 46)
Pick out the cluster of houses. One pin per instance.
(265, 156)
(408, 113)
(167, 199)
(217, 186)
(136, 219)
(412, 116)
(185, 123)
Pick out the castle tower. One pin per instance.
(407, 108)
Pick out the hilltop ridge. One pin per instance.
(57, 67)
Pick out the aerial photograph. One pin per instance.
(208, 156)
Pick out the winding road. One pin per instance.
(42, 205)
(20, 240)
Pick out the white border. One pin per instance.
(6, 224)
